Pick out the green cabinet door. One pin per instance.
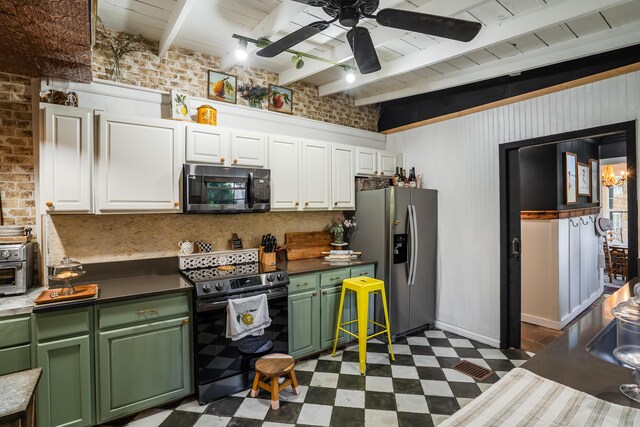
(304, 323)
(143, 366)
(65, 392)
(330, 303)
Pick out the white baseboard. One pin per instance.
(468, 334)
(552, 324)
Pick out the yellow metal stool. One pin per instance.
(363, 286)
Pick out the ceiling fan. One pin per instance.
(350, 12)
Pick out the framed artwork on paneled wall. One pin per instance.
(595, 180)
(584, 179)
(570, 163)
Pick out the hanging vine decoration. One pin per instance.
(119, 44)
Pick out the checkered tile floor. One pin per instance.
(418, 389)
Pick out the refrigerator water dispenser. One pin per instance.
(399, 248)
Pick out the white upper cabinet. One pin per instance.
(316, 179)
(284, 160)
(367, 161)
(343, 195)
(248, 149)
(387, 163)
(66, 159)
(139, 164)
(207, 144)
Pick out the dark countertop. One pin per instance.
(315, 265)
(567, 361)
(16, 391)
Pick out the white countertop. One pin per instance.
(19, 304)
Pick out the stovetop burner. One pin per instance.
(216, 282)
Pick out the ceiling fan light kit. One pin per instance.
(350, 12)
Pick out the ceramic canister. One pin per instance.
(186, 247)
(207, 115)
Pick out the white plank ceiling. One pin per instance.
(517, 35)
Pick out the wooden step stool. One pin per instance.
(274, 366)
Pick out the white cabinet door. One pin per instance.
(66, 160)
(387, 163)
(248, 149)
(367, 161)
(284, 160)
(139, 164)
(574, 263)
(316, 182)
(207, 144)
(343, 194)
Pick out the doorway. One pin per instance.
(510, 228)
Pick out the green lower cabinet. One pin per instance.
(330, 303)
(304, 323)
(65, 392)
(14, 359)
(15, 344)
(143, 366)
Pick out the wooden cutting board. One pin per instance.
(305, 245)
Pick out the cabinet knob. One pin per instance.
(381, 173)
(222, 160)
(324, 292)
(306, 203)
(375, 172)
(49, 204)
(335, 204)
(315, 294)
(235, 161)
(176, 204)
(297, 203)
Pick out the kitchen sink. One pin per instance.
(604, 343)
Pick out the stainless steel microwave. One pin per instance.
(218, 189)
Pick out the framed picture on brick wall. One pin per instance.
(280, 99)
(222, 87)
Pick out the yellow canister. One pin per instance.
(207, 115)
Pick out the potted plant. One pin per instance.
(253, 93)
(340, 228)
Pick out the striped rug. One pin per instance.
(524, 399)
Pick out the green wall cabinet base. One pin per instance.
(304, 323)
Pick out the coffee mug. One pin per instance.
(204, 246)
(186, 247)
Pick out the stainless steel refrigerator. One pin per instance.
(398, 228)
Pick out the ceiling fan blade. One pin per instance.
(317, 3)
(293, 39)
(441, 26)
(363, 50)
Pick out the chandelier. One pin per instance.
(609, 179)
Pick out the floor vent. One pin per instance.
(476, 372)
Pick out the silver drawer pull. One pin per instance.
(302, 284)
(148, 310)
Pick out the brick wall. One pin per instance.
(17, 185)
(186, 70)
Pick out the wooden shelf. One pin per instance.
(567, 213)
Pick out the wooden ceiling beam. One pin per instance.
(545, 17)
(592, 44)
(176, 19)
(379, 35)
(270, 25)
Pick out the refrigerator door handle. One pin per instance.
(412, 247)
(414, 239)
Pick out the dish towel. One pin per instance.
(522, 398)
(247, 316)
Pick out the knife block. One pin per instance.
(266, 258)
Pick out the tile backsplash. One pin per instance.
(100, 238)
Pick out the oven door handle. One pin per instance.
(16, 265)
(271, 294)
(251, 189)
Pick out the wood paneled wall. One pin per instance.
(459, 157)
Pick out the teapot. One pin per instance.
(186, 247)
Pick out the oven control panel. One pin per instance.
(234, 285)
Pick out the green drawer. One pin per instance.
(333, 277)
(367, 270)
(142, 310)
(307, 282)
(63, 323)
(15, 359)
(15, 331)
